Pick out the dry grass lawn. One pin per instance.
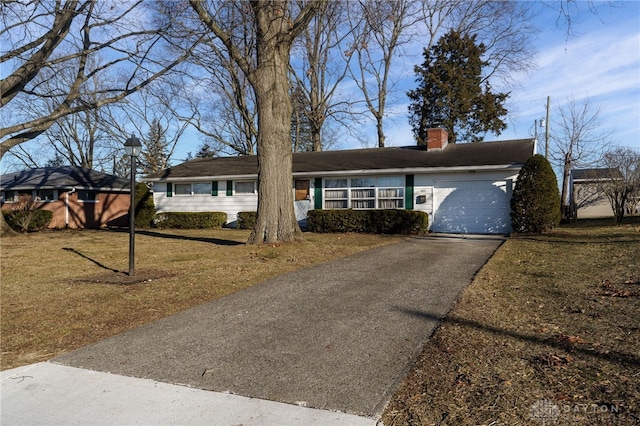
(61, 290)
(548, 333)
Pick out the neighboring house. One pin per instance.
(465, 188)
(78, 197)
(587, 198)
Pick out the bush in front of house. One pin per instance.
(145, 207)
(190, 220)
(246, 220)
(26, 217)
(406, 222)
(535, 203)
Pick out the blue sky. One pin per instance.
(600, 61)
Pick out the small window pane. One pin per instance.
(182, 188)
(46, 195)
(87, 195)
(202, 188)
(245, 188)
(363, 193)
(363, 183)
(335, 193)
(390, 181)
(335, 204)
(335, 183)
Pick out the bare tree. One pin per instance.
(34, 32)
(381, 28)
(577, 141)
(44, 35)
(320, 68)
(275, 24)
(390, 25)
(620, 182)
(77, 139)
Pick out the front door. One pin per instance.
(302, 199)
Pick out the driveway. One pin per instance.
(337, 336)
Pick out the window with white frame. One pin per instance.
(245, 188)
(46, 195)
(195, 188)
(336, 194)
(88, 196)
(364, 193)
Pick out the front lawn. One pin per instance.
(548, 333)
(61, 290)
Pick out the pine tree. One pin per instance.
(453, 94)
(155, 154)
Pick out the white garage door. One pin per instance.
(472, 207)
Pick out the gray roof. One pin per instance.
(502, 153)
(595, 174)
(65, 177)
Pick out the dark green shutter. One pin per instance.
(169, 189)
(408, 192)
(229, 188)
(214, 188)
(317, 192)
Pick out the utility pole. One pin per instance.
(546, 132)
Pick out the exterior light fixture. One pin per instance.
(132, 147)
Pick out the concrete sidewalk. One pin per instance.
(337, 337)
(49, 394)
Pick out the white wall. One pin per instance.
(230, 205)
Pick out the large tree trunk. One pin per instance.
(276, 216)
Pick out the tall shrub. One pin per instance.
(535, 204)
(145, 207)
(27, 217)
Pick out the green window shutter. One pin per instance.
(169, 189)
(408, 192)
(229, 188)
(214, 188)
(317, 192)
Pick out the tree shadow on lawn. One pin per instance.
(115, 276)
(216, 241)
(559, 342)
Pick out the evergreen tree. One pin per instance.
(453, 94)
(154, 155)
(535, 203)
(205, 150)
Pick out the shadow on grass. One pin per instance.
(84, 256)
(611, 356)
(216, 241)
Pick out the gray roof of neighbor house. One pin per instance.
(590, 175)
(65, 177)
(502, 153)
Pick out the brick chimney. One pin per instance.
(437, 138)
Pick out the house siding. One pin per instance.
(423, 192)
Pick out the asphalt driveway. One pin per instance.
(338, 336)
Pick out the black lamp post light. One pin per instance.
(132, 147)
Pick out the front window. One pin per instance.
(364, 193)
(46, 195)
(244, 188)
(201, 188)
(88, 196)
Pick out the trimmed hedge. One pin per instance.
(190, 220)
(404, 222)
(28, 220)
(246, 220)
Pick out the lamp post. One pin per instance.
(132, 147)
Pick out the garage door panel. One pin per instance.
(480, 207)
